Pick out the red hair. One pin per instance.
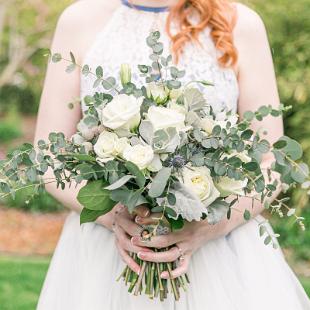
(219, 15)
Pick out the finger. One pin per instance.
(142, 210)
(160, 257)
(179, 271)
(124, 241)
(152, 219)
(129, 225)
(156, 241)
(129, 261)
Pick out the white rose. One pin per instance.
(228, 186)
(157, 92)
(122, 112)
(162, 118)
(109, 145)
(199, 181)
(140, 155)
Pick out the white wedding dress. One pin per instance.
(236, 272)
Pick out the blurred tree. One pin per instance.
(25, 28)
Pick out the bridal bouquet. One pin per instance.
(161, 145)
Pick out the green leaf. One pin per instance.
(159, 183)
(262, 230)
(247, 215)
(88, 216)
(267, 240)
(119, 183)
(128, 198)
(85, 70)
(247, 134)
(280, 144)
(82, 157)
(143, 69)
(99, 72)
(157, 209)
(264, 110)
(171, 199)
(93, 196)
(56, 57)
(216, 130)
(174, 84)
(176, 224)
(217, 211)
(251, 166)
(170, 212)
(292, 149)
(72, 58)
(300, 173)
(133, 169)
(249, 116)
(70, 68)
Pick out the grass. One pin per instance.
(21, 280)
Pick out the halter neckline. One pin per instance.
(145, 8)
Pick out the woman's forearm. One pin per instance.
(68, 198)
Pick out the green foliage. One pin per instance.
(8, 132)
(25, 200)
(21, 280)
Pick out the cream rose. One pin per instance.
(122, 112)
(228, 186)
(109, 145)
(199, 181)
(162, 118)
(140, 155)
(157, 92)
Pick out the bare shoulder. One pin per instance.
(249, 24)
(80, 22)
(82, 12)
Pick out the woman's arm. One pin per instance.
(61, 88)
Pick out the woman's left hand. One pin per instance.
(184, 243)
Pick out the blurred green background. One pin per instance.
(26, 29)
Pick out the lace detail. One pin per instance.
(123, 41)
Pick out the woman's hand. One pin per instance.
(125, 228)
(185, 241)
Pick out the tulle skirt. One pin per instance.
(236, 272)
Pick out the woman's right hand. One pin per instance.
(125, 227)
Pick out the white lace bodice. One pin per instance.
(123, 41)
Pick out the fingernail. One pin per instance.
(138, 218)
(138, 271)
(141, 255)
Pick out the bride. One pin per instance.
(228, 264)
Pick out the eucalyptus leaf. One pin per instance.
(93, 196)
(159, 183)
(88, 216)
(119, 183)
